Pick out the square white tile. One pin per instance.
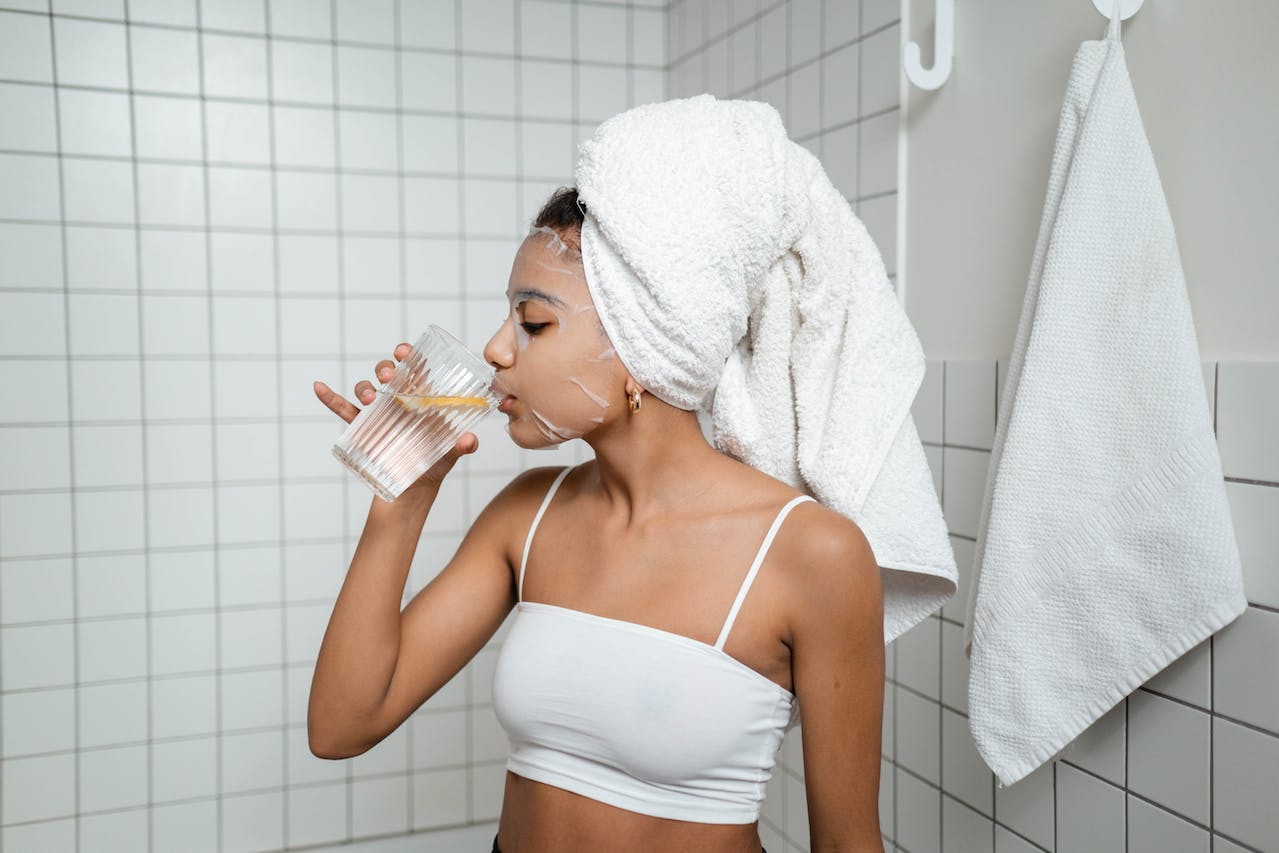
(366, 76)
(182, 707)
(245, 15)
(113, 778)
(234, 66)
(250, 637)
(252, 699)
(90, 53)
(185, 827)
(39, 788)
(31, 183)
(35, 590)
(239, 198)
(546, 29)
(1245, 775)
(164, 60)
(252, 760)
(167, 127)
(25, 52)
(298, 18)
(38, 721)
(37, 656)
(241, 262)
(94, 122)
(428, 81)
(317, 815)
(431, 206)
(183, 643)
(111, 585)
(488, 25)
(1177, 779)
(368, 139)
(302, 72)
(370, 203)
(304, 136)
(98, 190)
(112, 649)
(366, 21)
(185, 769)
(109, 714)
(306, 200)
(252, 821)
(101, 258)
(183, 519)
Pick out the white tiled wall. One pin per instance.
(1187, 762)
(204, 206)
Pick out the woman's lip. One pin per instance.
(506, 403)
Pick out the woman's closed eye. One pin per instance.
(534, 328)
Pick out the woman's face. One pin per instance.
(551, 352)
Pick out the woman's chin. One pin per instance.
(530, 438)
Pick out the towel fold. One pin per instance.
(732, 277)
(1105, 548)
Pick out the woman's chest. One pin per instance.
(691, 580)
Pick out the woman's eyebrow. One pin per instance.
(533, 293)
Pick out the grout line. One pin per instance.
(213, 449)
(410, 780)
(284, 609)
(72, 537)
(460, 101)
(142, 405)
(339, 220)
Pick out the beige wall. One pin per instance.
(976, 154)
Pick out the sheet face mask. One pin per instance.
(564, 363)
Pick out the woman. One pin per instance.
(679, 604)
(658, 529)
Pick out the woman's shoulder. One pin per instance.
(812, 535)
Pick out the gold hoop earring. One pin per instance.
(635, 401)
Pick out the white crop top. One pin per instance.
(643, 719)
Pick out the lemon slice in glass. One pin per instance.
(418, 403)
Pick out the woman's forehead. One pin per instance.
(544, 267)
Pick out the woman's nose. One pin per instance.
(499, 351)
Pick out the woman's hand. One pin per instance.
(366, 393)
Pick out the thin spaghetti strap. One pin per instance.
(759, 558)
(528, 540)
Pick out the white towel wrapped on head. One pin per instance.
(732, 276)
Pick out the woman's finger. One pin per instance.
(365, 392)
(345, 410)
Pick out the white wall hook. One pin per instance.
(943, 50)
(1127, 8)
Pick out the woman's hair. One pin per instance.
(563, 214)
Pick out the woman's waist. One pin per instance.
(540, 818)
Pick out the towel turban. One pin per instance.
(733, 278)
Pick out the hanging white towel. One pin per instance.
(1105, 547)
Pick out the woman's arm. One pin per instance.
(838, 667)
(378, 664)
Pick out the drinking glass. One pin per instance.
(438, 392)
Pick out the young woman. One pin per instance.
(674, 606)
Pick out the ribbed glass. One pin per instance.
(439, 391)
